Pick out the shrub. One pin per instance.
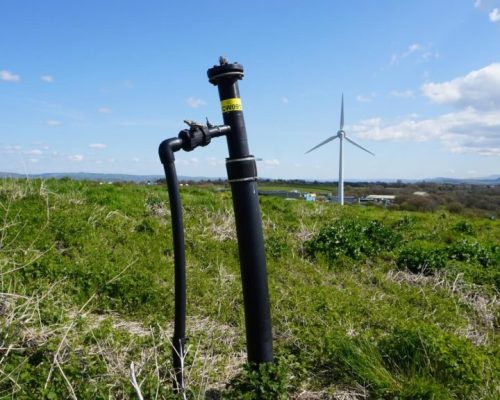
(455, 207)
(419, 259)
(352, 238)
(380, 236)
(405, 222)
(471, 250)
(417, 203)
(464, 227)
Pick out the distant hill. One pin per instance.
(489, 180)
(85, 176)
(88, 176)
(103, 177)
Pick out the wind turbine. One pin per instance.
(341, 135)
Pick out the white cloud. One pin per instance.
(479, 89)
(424, 53)
(412, 48)
(75, 157)
(477, 3)
(10, 148)
(9, 76)
(272, 162)
(33, 160)
(136, 159)
(465, 131)
(97, 146)
(494, 15)
(195, 102)
(34, 152)
(364, 99)
(104, 110)
(54, 122)
(404, 94)
(428, 55)
(47, 78)
(284, 100)
(214, 161)
(189, 162)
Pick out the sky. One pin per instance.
(95, 86)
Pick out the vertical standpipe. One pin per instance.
(242, 176)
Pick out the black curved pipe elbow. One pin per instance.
(187, 140)
(166, 152)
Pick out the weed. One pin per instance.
(260, 382)
(353, 238)
(421, 259)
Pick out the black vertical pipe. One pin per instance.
(179, 337)
(247, 216)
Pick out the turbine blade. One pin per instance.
(322, 143)
(358, 145)
(342, 113)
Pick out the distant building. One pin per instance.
(294, 194)
(310, 196)
(347, 199)
(379, 198)
(421, 193)
(351, 199)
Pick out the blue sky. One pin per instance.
(95, 86)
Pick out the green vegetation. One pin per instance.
(465, 199)
(366, 302)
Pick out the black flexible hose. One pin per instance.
(188, 140)
(179, 339)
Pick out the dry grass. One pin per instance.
(207, 368)
(219, 225)
(358, 393)
(157, 209)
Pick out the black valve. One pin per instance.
(189, 139)
(194, 137)
(200, 135)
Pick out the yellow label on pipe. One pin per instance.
(230, 105)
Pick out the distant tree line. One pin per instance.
(481, 200)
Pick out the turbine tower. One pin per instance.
(341, 135)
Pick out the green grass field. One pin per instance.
(367, 303)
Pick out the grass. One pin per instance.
(406, 308)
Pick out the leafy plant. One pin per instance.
(352, 238)
(260, 382)
(464, 227)
(421, 259)
(470, 251)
